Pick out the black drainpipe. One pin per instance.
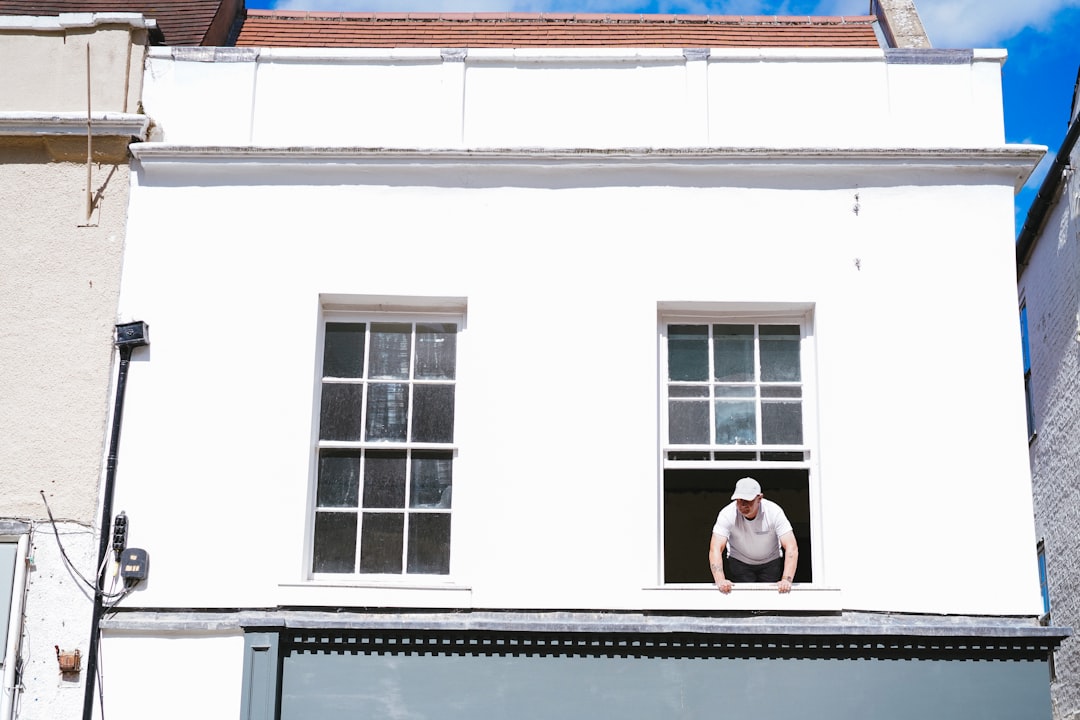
(128, 337)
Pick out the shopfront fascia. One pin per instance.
(566, 665)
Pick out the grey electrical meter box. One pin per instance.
(134, 565)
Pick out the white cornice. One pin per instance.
(1015, 162)
(951, 156)
(346, 56)
(36, 124)
(1015, 158)
(69, 21)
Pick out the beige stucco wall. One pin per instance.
(59, 279)
(45, 61)
(59, 266)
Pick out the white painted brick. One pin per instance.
(1050, 284)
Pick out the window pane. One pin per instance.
(9, 552)
(380, 542)
(335, 542)
(739, 391)
(688, 391)
(339, 417)
(387, 411)
(733, 351)
(1030, 407)
(780, 353)
(429, 543)
(384, 479)
(781, 423)
(735, 456)
(1024, 339)
(343, 351)
(339, 478)
(390, 350)
(793, 456)
(735, 423)
(688, 352)
(432, 475)
(784, 391)
(436, 351)
(688, 423)
(1044, 584)
(433, 413)
(689, 456)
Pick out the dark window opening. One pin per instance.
(692, 499)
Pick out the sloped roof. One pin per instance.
(282, 29)
(181, 22)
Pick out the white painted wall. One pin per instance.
(219, 418)
(563, 259)
(57, 613)
(172, 676)
(579, 98)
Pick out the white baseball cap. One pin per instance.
(746, 489)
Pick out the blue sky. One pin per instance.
(1040, 35)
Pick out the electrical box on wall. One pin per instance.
(133, 334)
(134, 565)
(69, 661)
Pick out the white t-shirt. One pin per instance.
(754, 541)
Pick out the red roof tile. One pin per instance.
(182, 22)
(265, 28)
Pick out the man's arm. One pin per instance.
(716, 562)
(791, 561)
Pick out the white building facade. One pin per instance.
(457, 354)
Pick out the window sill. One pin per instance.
(360, 592)
(743, 596)
(381, 581)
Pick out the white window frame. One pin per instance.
(800, 314)
(13, 620)
(381, 309)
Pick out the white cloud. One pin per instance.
(968, 23)
(986, 23)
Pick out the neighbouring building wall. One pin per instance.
(61, 276)
(61, 244)
(58, 294)
(901, 24)
(1050, 290)
(114, 53)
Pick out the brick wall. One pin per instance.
(1050, 285)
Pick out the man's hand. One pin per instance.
(716, 562)
(784, 586)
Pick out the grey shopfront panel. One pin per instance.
(334, 685)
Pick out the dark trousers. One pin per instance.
(740, 572)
